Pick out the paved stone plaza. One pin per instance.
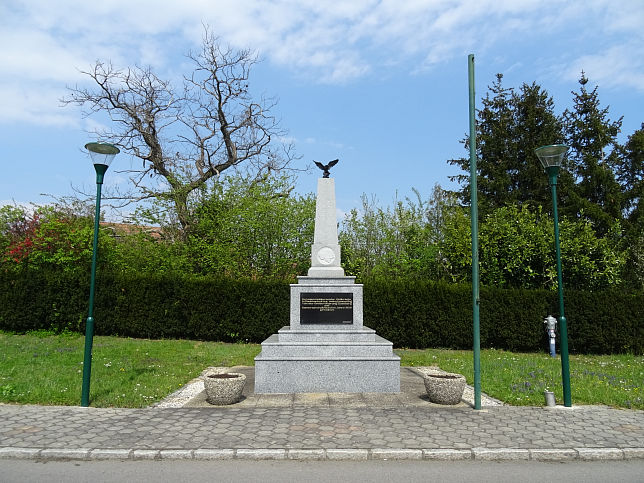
(321, 427)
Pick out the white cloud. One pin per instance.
(619, 66)
(92, 125)
(35, 55)
(35, 103)
(331, 42)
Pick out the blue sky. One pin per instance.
(382, 85)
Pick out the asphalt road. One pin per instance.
(299, 471)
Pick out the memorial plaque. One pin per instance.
(326, 308)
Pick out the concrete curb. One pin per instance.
(349, 454)
(500, 454)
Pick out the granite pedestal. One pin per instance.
(326, 348)
(326, 357)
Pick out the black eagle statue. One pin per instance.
(326, 167)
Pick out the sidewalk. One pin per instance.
(323, 426)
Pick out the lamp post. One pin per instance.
(102, 155)
(551, 158)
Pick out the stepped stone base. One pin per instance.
(295, 361)
(364, 334)
(327, 375)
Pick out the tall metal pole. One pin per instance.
(89, 325)
(474, 215)
(553, 171)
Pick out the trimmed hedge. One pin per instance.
(412, 314)
(148, 306)
(33, 300)
(434, 314)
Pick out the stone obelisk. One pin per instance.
(325, 252)
(326, 348)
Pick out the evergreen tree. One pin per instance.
(494, 149)
(535, 124)
(594, 150)
(510, 126)
(630, 174)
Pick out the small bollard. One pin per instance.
(550, 399)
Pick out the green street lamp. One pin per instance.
(551, 158)
(102, 155)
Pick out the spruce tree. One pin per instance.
(510, 126)
(594, 150)
(535, 124)
(493, 149)
(630, 174)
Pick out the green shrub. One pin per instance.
(410, 313)
(417, 314)
(176, 306)
(42, 299)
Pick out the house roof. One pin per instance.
(124, 229)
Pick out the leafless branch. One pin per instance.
(189, 135)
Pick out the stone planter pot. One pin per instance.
(445, 388)
(225, 388)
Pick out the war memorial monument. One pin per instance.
(326, 348)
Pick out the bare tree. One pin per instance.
(187, 136)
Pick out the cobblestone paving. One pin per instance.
(320, 428)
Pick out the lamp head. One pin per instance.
(551, 155)
(102, 153)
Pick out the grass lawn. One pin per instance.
(520, 379)
(41, 368)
